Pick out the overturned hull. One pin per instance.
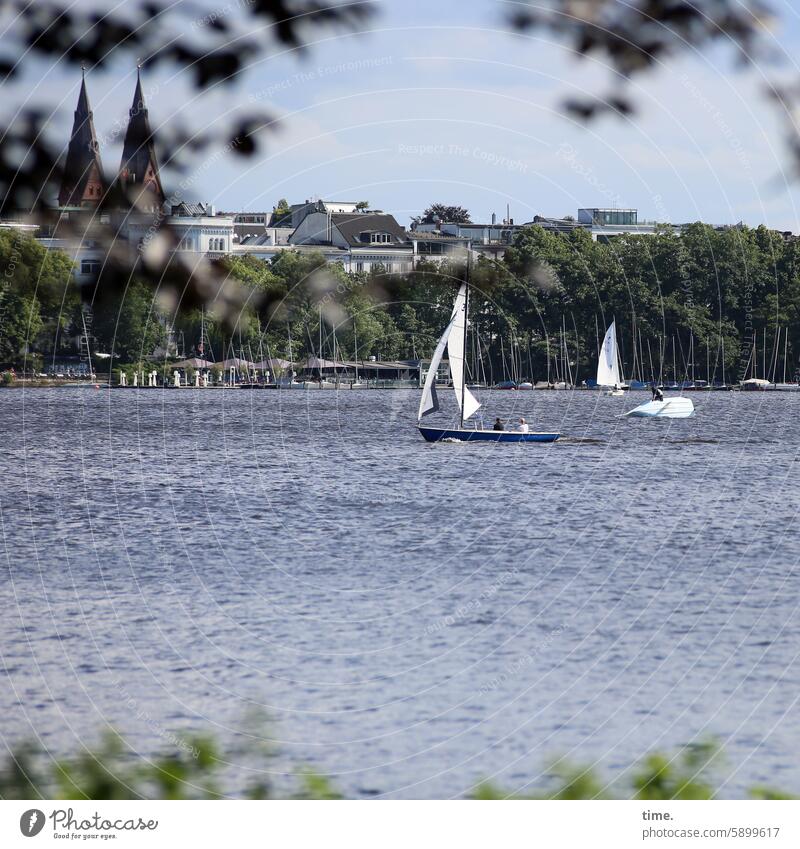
(674, 408)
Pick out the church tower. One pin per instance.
(82, 181)
(138, 171)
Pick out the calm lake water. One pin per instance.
(409, 618)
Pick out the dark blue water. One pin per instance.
(409, 618)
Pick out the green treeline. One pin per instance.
(682, 303)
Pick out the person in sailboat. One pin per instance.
(498, 424)
(658, 395)
(523, 426)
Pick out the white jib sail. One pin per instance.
(429, 403)
(455, 354)
(608, 363)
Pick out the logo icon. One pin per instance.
(31, 822)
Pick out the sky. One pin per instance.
(439, 102)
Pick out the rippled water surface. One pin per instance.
(411, 618)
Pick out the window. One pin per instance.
(359, 266)
(90, 266)
(380, 238)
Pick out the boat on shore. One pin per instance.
(755, 384)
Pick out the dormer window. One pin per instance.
(376, 238)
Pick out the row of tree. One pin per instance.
(688, 303)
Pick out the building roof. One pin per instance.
(83, 172)
(351, 226)
(377, 365)
(193, 209)
(192, 362)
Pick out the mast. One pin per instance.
(674, 364)
(88, 346)
(547, 341)
(785, 352)
(722, 342)
(355, 347)
(464, 341)
(755, 353)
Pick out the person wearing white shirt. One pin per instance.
(523, 426)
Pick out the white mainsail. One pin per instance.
(429, 403)
(608, 362)
(453, 338)
(455, 354)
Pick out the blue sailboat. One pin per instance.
(454, 339)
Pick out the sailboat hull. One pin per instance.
(673, 408)
(437, 434)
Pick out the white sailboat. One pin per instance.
(608, 364)
(454, 339)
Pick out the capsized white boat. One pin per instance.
(672, 408)
(608, 364)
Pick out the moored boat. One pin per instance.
(608, 371)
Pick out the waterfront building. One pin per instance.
(361, 240)
(260, 228)
(200, 229)
(606, 223)
(336, 207)
(491, 239)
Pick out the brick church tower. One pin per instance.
(138, 170)
(82, 182)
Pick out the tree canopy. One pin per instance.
(445, 213)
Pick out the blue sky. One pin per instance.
(439, 102)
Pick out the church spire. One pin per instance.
(138, 170)
(82, 180)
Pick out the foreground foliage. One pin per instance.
(197, 769)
